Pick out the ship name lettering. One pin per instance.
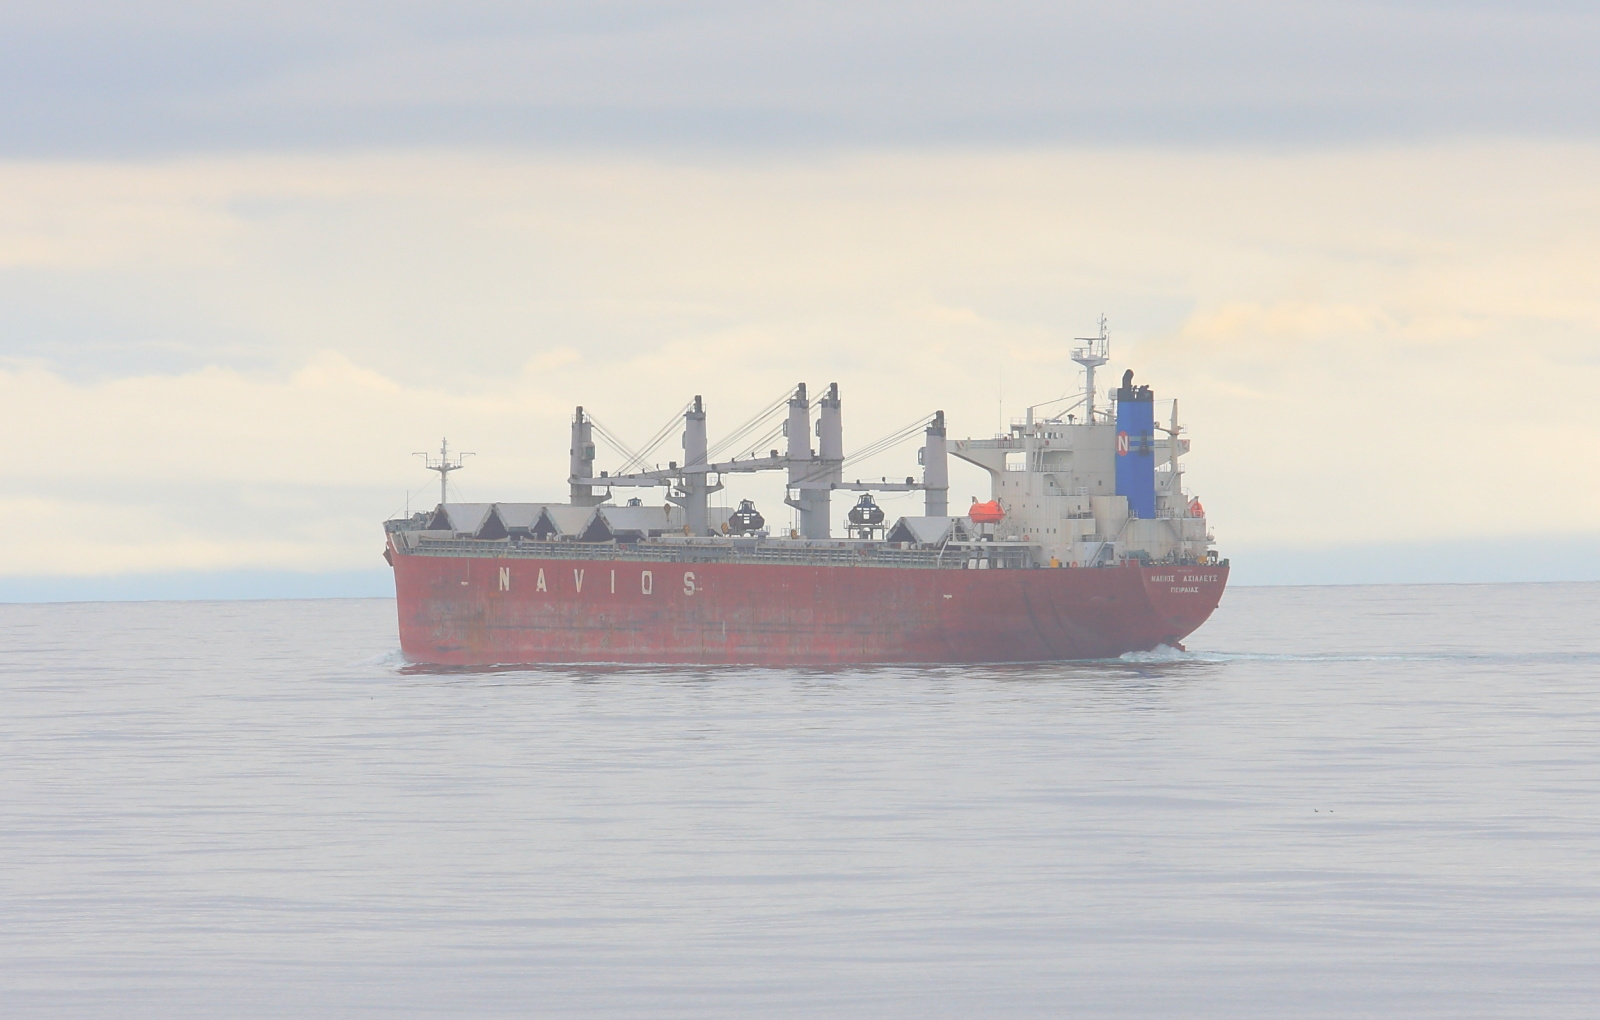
(505, 578)
(541, 586)
(689, 587)
(1199, 579)
(577, 580)
(1167, 578)
(647, 583)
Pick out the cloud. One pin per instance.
(113, 78)
(234, 357)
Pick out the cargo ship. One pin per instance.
(1089, 546)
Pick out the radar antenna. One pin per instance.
(1093, 352)
(444, 465)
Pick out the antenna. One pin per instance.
(1094, 352)
(444, 466)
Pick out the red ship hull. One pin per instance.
(475, 611)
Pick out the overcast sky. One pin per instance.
(250, 259)
(153, 77)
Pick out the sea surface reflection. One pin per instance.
(1338, 801)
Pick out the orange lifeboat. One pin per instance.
(1195, 509)
(986, 513)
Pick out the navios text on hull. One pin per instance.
(1088, 547)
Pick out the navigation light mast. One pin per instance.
(444, 465)
(1096, 351)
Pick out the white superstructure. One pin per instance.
(1055, 477)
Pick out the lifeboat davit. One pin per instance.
(986, 513)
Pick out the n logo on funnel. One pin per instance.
(1122, 444)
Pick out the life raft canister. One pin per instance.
(1195, 509)
(986, 513)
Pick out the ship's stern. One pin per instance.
(1183, 598)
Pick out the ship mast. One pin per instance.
(1096, 351)
(444, 465)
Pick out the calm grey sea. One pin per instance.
(1348, 801)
